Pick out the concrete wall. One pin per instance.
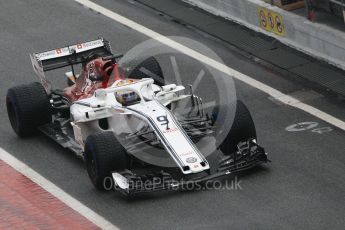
(312, 38)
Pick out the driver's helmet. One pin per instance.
(127, 97)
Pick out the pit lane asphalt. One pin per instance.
(303, 187)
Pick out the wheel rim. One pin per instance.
(12, 115)
(93, 167)
(91, 164)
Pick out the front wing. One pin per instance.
(248, 155)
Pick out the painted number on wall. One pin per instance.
(271, 21)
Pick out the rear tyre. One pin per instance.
(243, 129)
(149, 68)
(103, 155)
(28, 107)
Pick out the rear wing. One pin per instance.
(67, 56)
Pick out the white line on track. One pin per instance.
(55, 191)
(286, 99)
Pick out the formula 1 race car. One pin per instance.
(111, 118)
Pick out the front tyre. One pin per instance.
(242, 129)
(28, 107)
(103, 155)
